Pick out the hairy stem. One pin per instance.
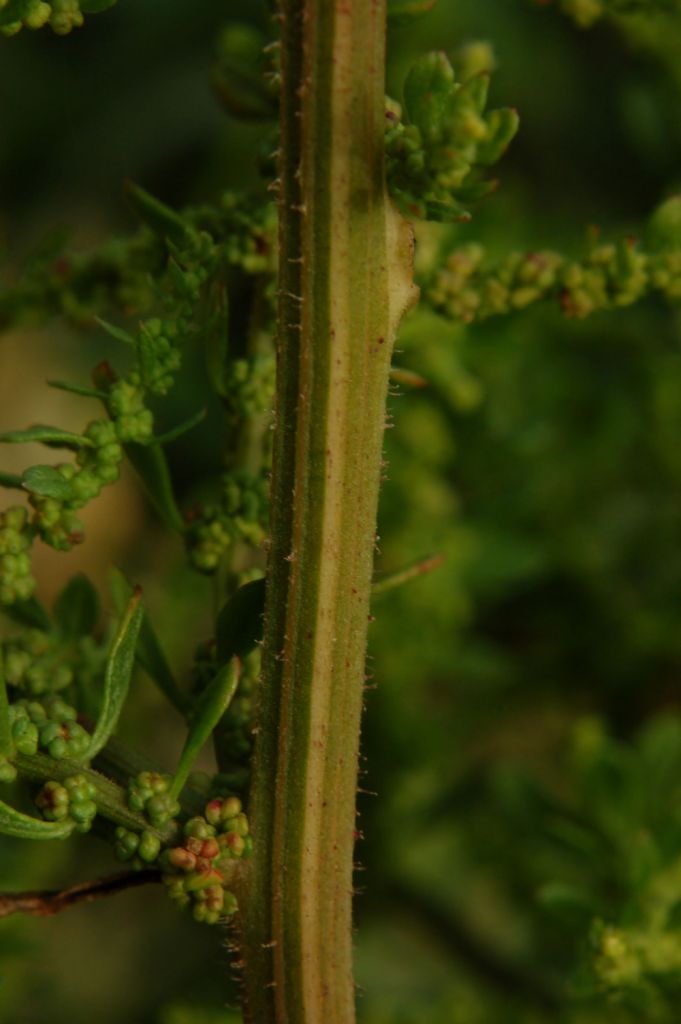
(345, 259)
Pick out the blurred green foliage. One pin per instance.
(522, 860)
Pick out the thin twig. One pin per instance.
(48, 902)
(411, 572)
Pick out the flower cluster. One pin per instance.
(240, 516)
(49, 726)
(36, 663)
(148, 793)
(56, 493)
(468, 288)
(137, 848)
(16, 579)
(61, 15)
(250, 385)
(200, 247)
(434, 153)
(197, 873)
(73, 798)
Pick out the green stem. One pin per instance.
(345, 280)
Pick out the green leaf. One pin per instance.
(428, 93)
(404, 10)
(77, 608)
(476, 90)
(14, 823)
(149, 653)
(152, 467)
(181, 428)
(6, 741)
(115, 332)
(239, 623)
(502, 125)
(119, 668)
(159, 217)
(46, 435)
(16, 10)
(78, 389)
(208, 710)
(47, 482)
(28, 613)
(10, 480)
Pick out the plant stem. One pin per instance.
(45, 903)
(345, 279)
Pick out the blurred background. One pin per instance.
(521, 859)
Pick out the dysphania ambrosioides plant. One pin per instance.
(185, 279)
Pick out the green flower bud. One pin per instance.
(126, 844)
(198, 828)
(53, 801)
(149, 847)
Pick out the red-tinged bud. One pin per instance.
(213, 812)
(230, 808)
(234, 843)
(210, 849)
(195, 846)
(182, 859)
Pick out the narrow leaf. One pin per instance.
(77, 608)
(6, 741)
(118, 673)
(410, 572)
(10, 480)
(78, 389)
(152, 467)
(47, 482)
(157, 215)
(46, 435)
(115, 332)
(149, 653)
(14, 823)
(209, 709)
(181, 428)
(239, 623)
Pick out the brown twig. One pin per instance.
(48, 902)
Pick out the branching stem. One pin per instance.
(45, 903)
